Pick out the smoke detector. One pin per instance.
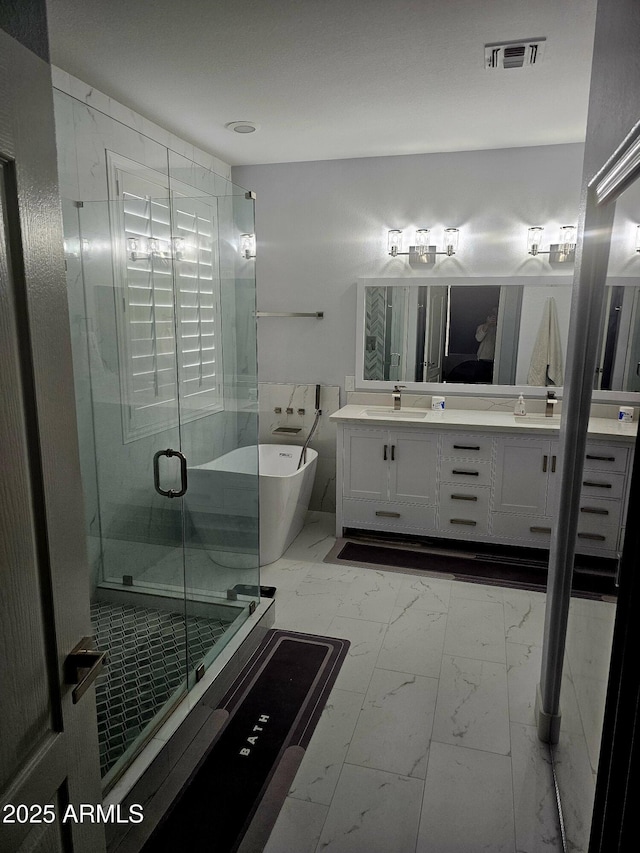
(514, 54)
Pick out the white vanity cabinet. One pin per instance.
(482, 484)
(389, 478)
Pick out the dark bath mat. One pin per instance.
(498, 570)
(232, 798)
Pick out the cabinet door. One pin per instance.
(413, 457)
(522, 474)
(366, 463)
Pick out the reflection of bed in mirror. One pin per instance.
(420, 331)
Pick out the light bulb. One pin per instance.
(422, 240)
(534, 239)
(248, 245)
(395, 236)
(567, 238)
(451, 240)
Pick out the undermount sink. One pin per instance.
(399, 414)
(537, 419)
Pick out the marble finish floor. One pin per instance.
(428, 741)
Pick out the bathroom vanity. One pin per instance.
(483, 476)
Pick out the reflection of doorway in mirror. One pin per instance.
(471, 334)
(632, 368)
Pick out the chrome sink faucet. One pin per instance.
(397, 397)
(551, 401)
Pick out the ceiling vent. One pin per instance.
(514, 54)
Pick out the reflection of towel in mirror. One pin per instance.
(546, 359)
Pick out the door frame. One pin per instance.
(614, 820)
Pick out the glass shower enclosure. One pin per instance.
(162, 306)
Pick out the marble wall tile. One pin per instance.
(372, 811)
(472, 708)
(475, 629)
(298, 827)
(468, 802)
(319, 771)
(536, 814)
(414, 642)
(394, 728)
(276, 395)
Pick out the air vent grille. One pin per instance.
(514, 54)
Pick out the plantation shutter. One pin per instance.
(169, 335)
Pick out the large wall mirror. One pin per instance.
(507, 333)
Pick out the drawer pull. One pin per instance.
(466, 473)
(602, 458)
(464, 497)
(540, 529)
(594, 510)
(596, 485)
(466, 521)
(381, 513)
(393, 453)
(384, 453)
(597, 536)
(553, 464)
(545, 459)
(465, 447)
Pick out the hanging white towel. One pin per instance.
(546, 367)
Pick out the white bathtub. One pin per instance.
(226, 486)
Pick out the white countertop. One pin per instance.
(470, 419)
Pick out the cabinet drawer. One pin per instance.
(598, 524)
(605, 458)
(467, 446)
(599, 484)
(534, 529)
(463, 509)
(465, 471)
(388, 516)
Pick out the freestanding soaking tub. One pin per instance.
(226, 486)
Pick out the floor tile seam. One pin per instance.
(474, 748)
(478, 660)
(513, 794)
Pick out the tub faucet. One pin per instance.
(551, 401)
(397, 397)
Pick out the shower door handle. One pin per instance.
(82, 666)
(170, 493)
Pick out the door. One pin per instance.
(366, 463)
(522, 475)
(434, 344)
(49, 745)
(413, 458)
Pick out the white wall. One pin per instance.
(321, 225)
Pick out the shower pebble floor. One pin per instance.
(146, 653)
(428, 740)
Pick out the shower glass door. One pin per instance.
(162, 310)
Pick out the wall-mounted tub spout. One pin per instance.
(303, 455)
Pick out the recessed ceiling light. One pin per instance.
(242, 126)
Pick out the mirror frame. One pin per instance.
(461, 389)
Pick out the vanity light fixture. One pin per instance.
(422, 252)
(564, 251)
(248, 245)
